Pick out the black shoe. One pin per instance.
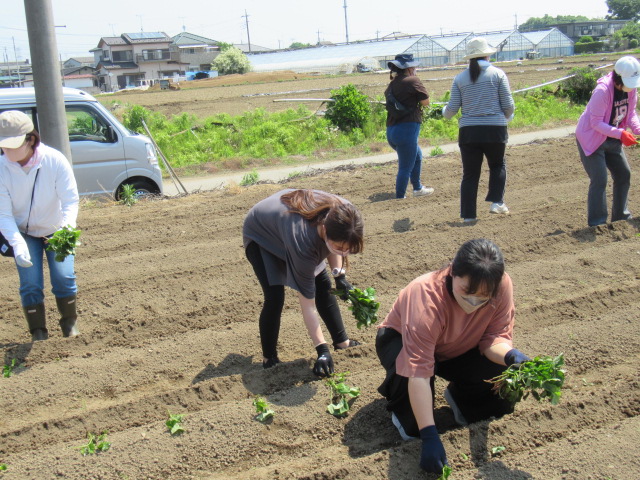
(270, 362)
(352, 343)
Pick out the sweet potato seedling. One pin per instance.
(342, 394)
(174, 424)
(263, 409)
(446, 473)
(541, 377)
(64, 242)
(497, 450)
(95, 444)
(7, 370)
(363, 305)
(3, 466)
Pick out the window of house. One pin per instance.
(124, 56)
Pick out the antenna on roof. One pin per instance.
(140, 17)
(184, 29)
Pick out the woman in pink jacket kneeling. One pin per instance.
(601, 133)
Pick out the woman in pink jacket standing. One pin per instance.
(601, 133)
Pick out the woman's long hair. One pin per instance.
(342, 221)
(474, 69)
(482, 261)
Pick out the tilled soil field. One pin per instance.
(168, 315)
(235, 94)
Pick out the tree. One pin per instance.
(232, 60)
(542, 23)
(631, 31)
(224, 46)
(623, 9)
(350, 108)
(297, 45)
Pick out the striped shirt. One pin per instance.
(488, 101)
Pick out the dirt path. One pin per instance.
(169, 309)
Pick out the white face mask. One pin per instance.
(468, 303)
(336, 252)
(18, 154)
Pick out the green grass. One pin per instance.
(294, 137)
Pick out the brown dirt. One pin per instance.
(235, 94)
(169, 309)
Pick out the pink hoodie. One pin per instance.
(593, 127)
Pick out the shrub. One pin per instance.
(633, 43)
(579, 87)
(585, 39)
(350, 108)
(232, 60)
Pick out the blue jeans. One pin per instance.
(62, 274)
(403, 138)
(609, 155)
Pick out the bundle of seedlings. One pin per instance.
(541, 377)
(64, 242)
(363, 305)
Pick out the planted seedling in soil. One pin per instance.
(95, 444)
(363, 305)
(128, 195)
(541, 377)
(3, 466)
(64, 242)
(7, 370)
(174, 424)
(446, 472)
(263, 409)
(341, 394)
(497, 450)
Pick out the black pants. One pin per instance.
(466, 374)
(472, 155)
(269, 322)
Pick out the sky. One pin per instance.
(79, 25)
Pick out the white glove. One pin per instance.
(23, 260)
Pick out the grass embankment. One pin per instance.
(257, 138)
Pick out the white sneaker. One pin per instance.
(498, 208)
(424, 191)
(400, 428)
(457, 414)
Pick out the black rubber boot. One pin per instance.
(36, 320)
(68, 316)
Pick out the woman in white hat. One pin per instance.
(482, 92)
(38, 195)
(405, 96)
(601, 133)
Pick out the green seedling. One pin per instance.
(464, 456)
(174, 424)
(128, 195)
(436, 151)
(363, 305)
(64, 242)
(95, 444)
(498, 450)
(3, 466)
(446, 472)
(250, 178)
(7, 370)
(541, 377)
(263, 409)
(341, 394)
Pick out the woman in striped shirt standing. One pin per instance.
(482, 92)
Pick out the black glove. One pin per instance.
(433, 456)
(344, 285)
(515, 356)
(324, 364)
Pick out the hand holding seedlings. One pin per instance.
(363, 305)
(64, 242)
(541, 377)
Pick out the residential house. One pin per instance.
(195, 51)
(594, 29)
(135, 59)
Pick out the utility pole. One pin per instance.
(246, 18)
(52, 120)
(318, 37)
(346, 24)
(15, 56)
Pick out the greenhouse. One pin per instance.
(511, 44)
(455, 45)
(348, 58)
(550, 43)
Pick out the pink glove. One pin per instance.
(628, 139)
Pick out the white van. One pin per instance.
(105, 154)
